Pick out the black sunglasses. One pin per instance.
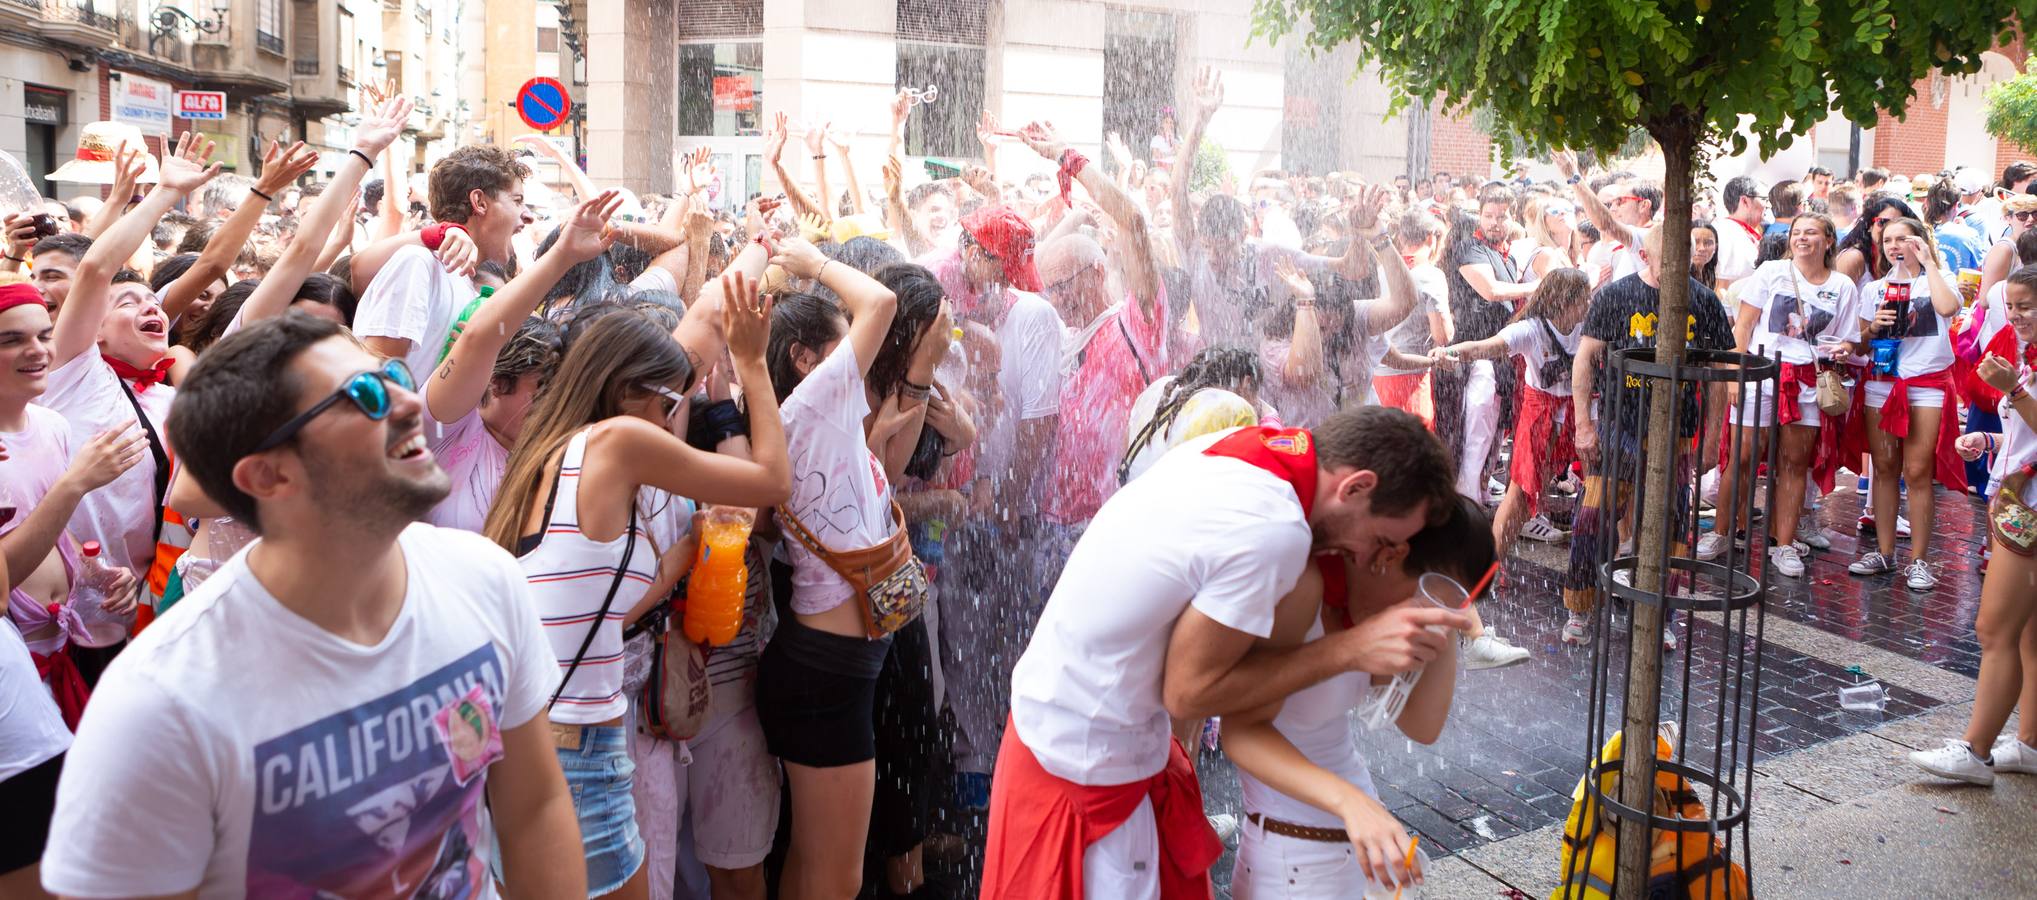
(369, 391)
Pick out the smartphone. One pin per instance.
(45, 225)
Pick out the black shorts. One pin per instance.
(812, 716)
(30, 799)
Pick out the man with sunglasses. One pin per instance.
(1744, 203)
(375, 642)
(1623, 211)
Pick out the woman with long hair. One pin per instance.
(854, 380)
(2005, 626)
(1861, 256)
(607, 426)
(1905, 323)
(1787, 309)
(1985, 329)
(1704, 253)
(1217, 390)
(1550, 223)
(2018, 213)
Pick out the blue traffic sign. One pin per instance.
(543, 103)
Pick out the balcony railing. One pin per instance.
(270, 42)
(31, 4)
(83, 12)
(304, 67)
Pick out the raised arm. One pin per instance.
(1944, 297)
(1383, 313)
(774, 151)
(77, 325)
(701, 332)
(280, 167)
(1209, 95)
(816, 144)
(841, 145)
(871, 306)
(279, 288)
(118, 198)
(1142, 274)
(461, 380)
(895, 214)
(583, 186)
(1599, 214)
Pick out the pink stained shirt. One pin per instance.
(37, 457)
(1096, 406)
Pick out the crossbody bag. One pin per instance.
(889, 581)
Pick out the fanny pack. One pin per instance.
(2014, 524)
(889, 581)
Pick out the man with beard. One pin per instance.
(373, 638)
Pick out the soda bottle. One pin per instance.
(714, 592)
(95, 583)
(460, 324)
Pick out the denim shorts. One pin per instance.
(599, 775)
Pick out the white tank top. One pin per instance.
(1319, 721)
(2019, 443)
(569, 576)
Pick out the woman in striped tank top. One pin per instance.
(608, 425)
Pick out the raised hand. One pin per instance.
(1297, 282)
(1372, 200)
(185, 170)
(700, 166)
(587, 234)
(381, 127)
(774, 140)
(127, 172)
(901, 107)
(1114, 144)
(840, 141)
(746, 317)
(894, 179)
(798, 257)
(22, 233)
(1566, 162)
(282, 167)
(1209, 92)
(1044, 140)
(815, 137)
(986, 129)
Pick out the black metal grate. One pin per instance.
(944, 21)
(720, 18)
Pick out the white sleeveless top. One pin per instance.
(1319, 721)
(2019, 443)
(569, 576)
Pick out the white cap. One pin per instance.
(1970, 181)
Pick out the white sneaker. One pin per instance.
(1669, 635)
(1494, 492)
(1623, 577)
(1787, 561)
(1956, 761)
(1816, 539)
(1872, 563)
(1708, 487)
(2012, 755)
(1902, 527)
(1541, 529)
(1490, 651)
(1226, 827)
(1921, 578)
(1577, 630)
(1710, 545)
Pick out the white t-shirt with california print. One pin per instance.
(1217, 533)
(1790, 323)
(1529, 340)
(238, 749)
(839, 490)
(1927, 336)
(414, 298)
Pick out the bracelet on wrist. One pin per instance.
(258, 192)
(15, 258)
(364, 157)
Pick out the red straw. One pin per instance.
(1482, 582)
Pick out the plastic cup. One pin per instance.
(1828, 346)
(1386, 702)
(1405, 892)
(1969, 285)
(1867, 696)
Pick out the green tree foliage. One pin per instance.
(1211, 164)
(2012, 110)
(1580, 73)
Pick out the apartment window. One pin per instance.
(1138, 77)
(941, 44)
(721, 89)
(548, 40)
(269, 25)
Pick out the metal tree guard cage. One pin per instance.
(1706, 702)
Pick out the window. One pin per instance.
(947, 126)
(1138, 78)
(269, 26)
(721, 89)
(548, 40)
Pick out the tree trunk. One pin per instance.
(1659, 482)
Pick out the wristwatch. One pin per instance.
(1574, 179)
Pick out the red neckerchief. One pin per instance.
(1336, 588)
(1288, 453)
(141, 378)
(1499, 245)
(1408, 258)
(1752, 231)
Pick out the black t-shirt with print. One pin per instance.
(1624, 314)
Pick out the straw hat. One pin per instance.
(96, 148)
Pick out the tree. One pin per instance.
(2012, 110)
(1581, 73)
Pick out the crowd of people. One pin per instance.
(361, 548)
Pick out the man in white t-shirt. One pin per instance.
(1091, 786)
(411, 304)
(1745, 202)
(1622, 210)
(402, 669)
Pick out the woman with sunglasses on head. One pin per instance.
(2005, 626)
(1787, 309)
(816, 683)
(1551, 221)
(608, 425)
(1905, 329)
(1860, 255)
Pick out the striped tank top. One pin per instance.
(569, 575)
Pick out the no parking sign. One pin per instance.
(543, 103)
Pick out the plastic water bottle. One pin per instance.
(95, 583)
(715, 590)
(953, 369)
(18, 193)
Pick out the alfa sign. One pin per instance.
(201, 104)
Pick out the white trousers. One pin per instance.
(1481, 428)
(1125, 864)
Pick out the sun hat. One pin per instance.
(98, 142)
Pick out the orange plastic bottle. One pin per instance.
(714, 592)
